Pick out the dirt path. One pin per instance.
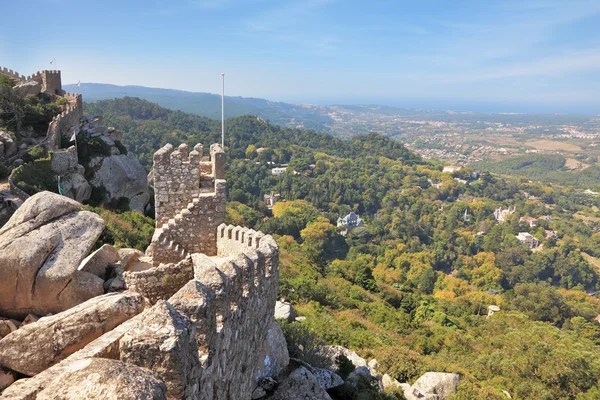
(4, 184)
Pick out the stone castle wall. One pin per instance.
(203, 340)
(12, 74)
(50, 80)
(190, 195)
(65, 123)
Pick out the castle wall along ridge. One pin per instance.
(212, 297)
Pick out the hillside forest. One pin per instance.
(412, 286)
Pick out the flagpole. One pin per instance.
(223, 113)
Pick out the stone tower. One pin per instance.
(189, 194)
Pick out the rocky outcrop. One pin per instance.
(97, 262)
(389, 383)
(285, 311)
(98, 378)
(76, 186)
(301, 384)
(106, 166)
(122, 176)
(164, 341)
(433, 385)
(273, 355)
(327, 379)
(28, 88)
(42, 246)
(8, 145)
(39, 345)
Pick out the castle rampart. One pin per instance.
(50, 80)
(201, 339)
(65, 123)
(12, 74)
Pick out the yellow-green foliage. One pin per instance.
(129, 229)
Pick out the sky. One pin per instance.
(483, 55)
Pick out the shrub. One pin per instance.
(89, 147)
(36, 177)
(61, 101)
(4, 171)
(128, 229)
(304, 344)
(35, 153)
(344, 366)
(6, 81)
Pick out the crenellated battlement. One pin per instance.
(64, 123)
(12, 74)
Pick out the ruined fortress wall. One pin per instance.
(162, 282)
(204, 340)
(63, 124)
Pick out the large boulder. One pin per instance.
(39, 345)
(332, 352)
(274, 355)
(164, 342)
(42, 246)
(123, 176)
(390, 383)
(99, 378)
(97, 262)
(284, 310)
(439, 384)
(76, 187)
(301, 384)
(8, 144)
(327, 379)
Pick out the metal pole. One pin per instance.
(223, 113)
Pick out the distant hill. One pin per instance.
(338, 120)
(209, 105)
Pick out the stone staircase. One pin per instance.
(167, 231)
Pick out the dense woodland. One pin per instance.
(412, 287)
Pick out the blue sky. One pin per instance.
(530, 56)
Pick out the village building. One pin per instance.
(500, 214)
(271, 199)
(528, 239)
(451, 168)
(349, 222)
(529, 220)
(278, 170)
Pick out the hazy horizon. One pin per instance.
(450, 105)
